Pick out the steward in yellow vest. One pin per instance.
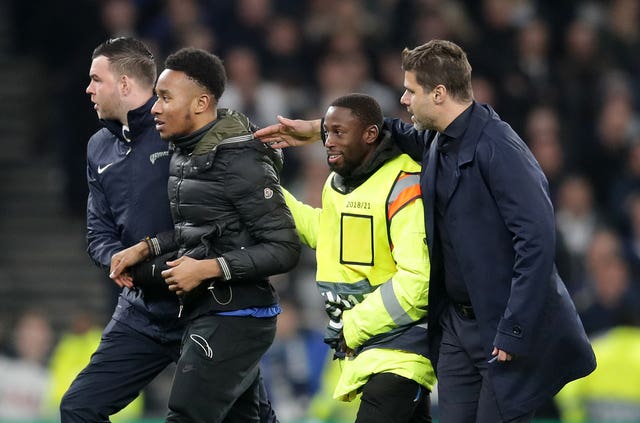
(373, 265)
(612, 392)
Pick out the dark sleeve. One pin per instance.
(521, 194)
(103, 236)
(162, 243)
(254, 191)
(409, 139)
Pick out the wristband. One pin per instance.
(153, 245)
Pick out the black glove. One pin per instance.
(332, 333)
(334, 305)
(341, 350)
(148, 274)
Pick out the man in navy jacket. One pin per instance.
(127, 173)
(504, 334)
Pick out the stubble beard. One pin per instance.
(345, 170)
(419, 126)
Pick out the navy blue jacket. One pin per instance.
(128, 201)
(502, 228)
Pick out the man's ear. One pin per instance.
(125, 85)
(371, 134)
(439, 94)
(203, 102)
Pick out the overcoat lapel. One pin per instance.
(468, 142)
(430, 191)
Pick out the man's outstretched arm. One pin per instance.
(290, 132)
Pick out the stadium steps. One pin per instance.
(5, 26)
(43, 263)
(22, 109)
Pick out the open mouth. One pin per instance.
(332, 158)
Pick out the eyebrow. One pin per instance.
(335, 126)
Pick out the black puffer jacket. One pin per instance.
(226, 203)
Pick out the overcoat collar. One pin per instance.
(480, 116)
(468, 139)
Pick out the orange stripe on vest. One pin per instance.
(405, 197)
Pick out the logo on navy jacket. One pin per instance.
(155, 156)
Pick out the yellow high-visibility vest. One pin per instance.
(371, 252)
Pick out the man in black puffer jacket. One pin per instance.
(232, 229)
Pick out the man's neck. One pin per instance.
(204, 119)
(451, 112)
(189, 141)
(134, 102)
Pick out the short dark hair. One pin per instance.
(363, 106)
(440, 62)
(129, 56)
(202, 67)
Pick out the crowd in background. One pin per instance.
(564, 74)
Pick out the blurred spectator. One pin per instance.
(359, 72)
(612, 392)
(259, 99)
(25, 380)
(329, 17)
(71, 354)
(577, 220)
(4, 333)
(414, 22)
(494, 51)
(617, 124)
(199, 36)
(284, 55)
(293, 364)
(626, 184)
(324, 408)
(484, 91)
(528, 80)
(119, 17)
(579, 71)
(245, 23)
(608, 295)
(347, 71)
(387, 65)
(622, 35)
(631, 240)
(542, 135)
(170, 29)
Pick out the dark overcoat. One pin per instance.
(502, 228)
